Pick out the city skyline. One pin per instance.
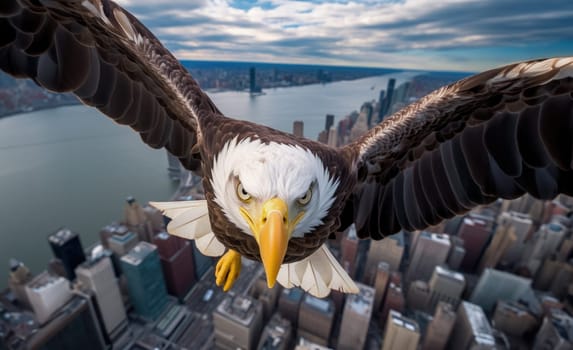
(451, 35)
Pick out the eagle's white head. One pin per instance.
(272, 192)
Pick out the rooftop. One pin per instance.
(62, 236)
(138, 253)
(479, 323)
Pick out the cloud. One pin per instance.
(449, 34)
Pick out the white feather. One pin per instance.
(173, 209)
(209, 245)
(317, 274)
(189, 219)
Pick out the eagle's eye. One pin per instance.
(242, 193)
(306, 198)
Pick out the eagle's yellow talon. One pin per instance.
(228, 269)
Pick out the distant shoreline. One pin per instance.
(39, 108)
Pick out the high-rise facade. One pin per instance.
(418, 295)
(176, 257)
(67, 247)
(522, 226)
(514, 319)
(431, 250)
(298, 128)
(276, 335)
(495, 285)
(475, 230)
(394, 300)
(350, 251)
(238, 323)
(356, 318)
(401, 333)
(19, 277)
(289, 304)
(440, 328)
(471, 329)
(381, 284)
(445, 286)
(74, 327)
(98, 276)
(555, 332)
(47, 294)
(315, 319)
(145, 282)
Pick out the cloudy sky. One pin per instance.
(466, 35)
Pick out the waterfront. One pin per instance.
(72, 167)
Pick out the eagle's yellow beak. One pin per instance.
(273, 237)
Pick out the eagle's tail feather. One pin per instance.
(317, 274)
(190, 220)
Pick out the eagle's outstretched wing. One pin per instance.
(107, 58)
(500, 133)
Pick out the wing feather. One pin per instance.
(109, 60)
(500, 133)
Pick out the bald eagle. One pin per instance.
(276, 198)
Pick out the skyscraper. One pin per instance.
(356, 318)
(394, 300)
(381, 102)
(350, 251)
(74, 327)
(381, 284)
(121, 244)
(276, 335)
(445, 286)
(389, 250)
(136, 220)
(298, 128)
(389, 95)
(400, 333)
(368, 110)
(109, 230)
(267, 296)
(475, 231)
(329, 122)
(495, 285)
(440, 328)
(177, 263)
(19, 276)
(471, 329)
(289, 304)
(360, 127)
(238, 323)
(556, 332)
(514, 319)
(97, 275)
(502, 240)
(47, 294)
(544, 243)
(146, 286)
(546, 273)
(431, 250)
(332, 137)
(67, 247)
(418, 295)
(315, 319)
(457, 253)
(563, 278)
(522, 225)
